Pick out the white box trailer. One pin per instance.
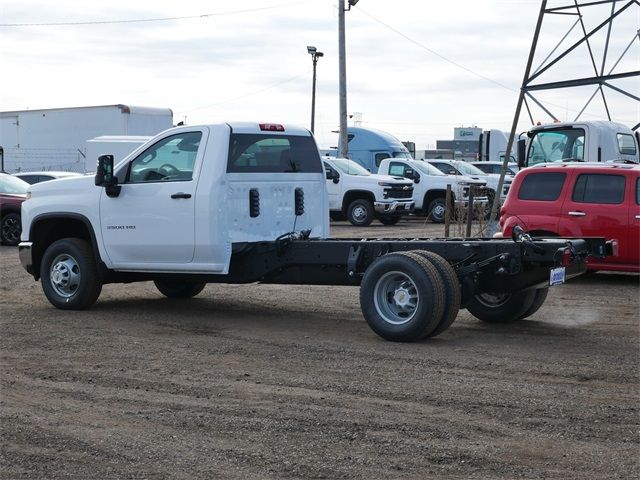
(117, 145)
(55, 139)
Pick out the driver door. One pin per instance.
(152, 221)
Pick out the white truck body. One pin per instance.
(55, 139)
(348, 181)
(584, 141)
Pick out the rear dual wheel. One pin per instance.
(507, 307)
(406, 297)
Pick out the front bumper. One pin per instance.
(394, 207)
(463, 202)
(26, 258)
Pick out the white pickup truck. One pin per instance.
(430, 186)
(357, 195)
(246, 202)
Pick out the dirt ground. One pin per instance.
(264, 381)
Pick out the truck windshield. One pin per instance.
(405, 155)
(350, 167)
(467, 169)
(266, 153)
(556, 145)
(426, 168)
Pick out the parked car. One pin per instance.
(495, 168)
(37, 177)
(359, 196)
(460, 167)
(13, 192)
(430, 186)
(580, 200)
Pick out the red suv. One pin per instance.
(580, 200)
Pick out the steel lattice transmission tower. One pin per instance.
(606, 69)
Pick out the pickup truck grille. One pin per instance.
(478, 192)
(398, 192)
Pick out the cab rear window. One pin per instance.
(262, 153)
(543, 186)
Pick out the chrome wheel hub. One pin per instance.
(65, 275)
(396, 298)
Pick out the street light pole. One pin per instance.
(315, 54)
(343, 149)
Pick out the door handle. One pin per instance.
(578, 214)
(637, 217)
(181, 195)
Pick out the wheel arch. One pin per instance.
(431, 195)
(352, 195)
(49, 227)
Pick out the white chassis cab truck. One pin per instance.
(430, 186)
(580, 141)
(357, 195)
(245, 202)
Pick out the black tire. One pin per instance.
(453, 295)
(69, 274)
(436, 210)
(501, 308)
(538, 301)
(360, 213)
(178, 289)
(389, 219)
(402, 297)
(10, 229)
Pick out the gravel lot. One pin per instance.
(262, 381)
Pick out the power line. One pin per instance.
(143, 20)
(433, 52)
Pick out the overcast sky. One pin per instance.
(415, 68)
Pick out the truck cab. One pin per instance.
(585, 141)
(430, 186)
(359, 196)
(179, 202)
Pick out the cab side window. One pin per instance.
(169, 160)
(396, 169)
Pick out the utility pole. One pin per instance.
(315, 54)
(343, 146)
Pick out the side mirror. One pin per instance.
(104, 176)
(333, 175)
(522, 153)
(412, 174)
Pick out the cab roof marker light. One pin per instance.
(271, 127)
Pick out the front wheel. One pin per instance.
(501, 307)
(178, 289)
(70, 278)
(10, 229)
(360, 213)
(437, 209)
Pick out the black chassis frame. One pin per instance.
(482, 265)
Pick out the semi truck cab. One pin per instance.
(586, 141)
